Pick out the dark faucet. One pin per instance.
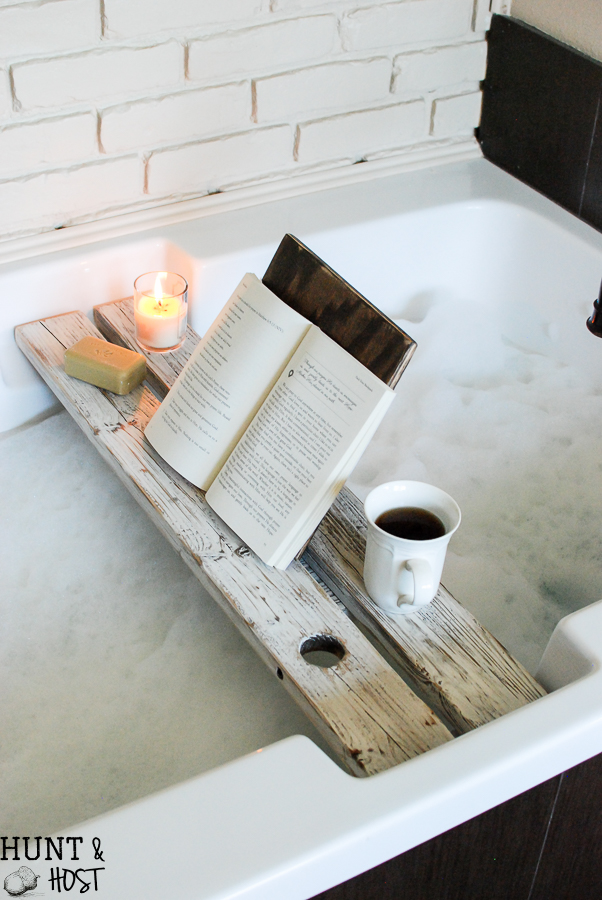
(594, 323)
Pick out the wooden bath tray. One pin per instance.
(364, 709)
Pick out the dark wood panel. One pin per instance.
(309, 285)
(540, 107)
(491, 857)
(571, 863)
(591, 206)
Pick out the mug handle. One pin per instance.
(423, 583)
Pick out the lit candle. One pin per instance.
(160, 310)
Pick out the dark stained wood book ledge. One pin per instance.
(307, 284)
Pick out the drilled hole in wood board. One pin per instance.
(323, 650)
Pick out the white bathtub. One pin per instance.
(285, 821)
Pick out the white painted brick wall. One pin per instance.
(210, 166)
(257, 50)
(294, 6)
(360, 135)
(444, 67)
(98, 74)
(481, 19)
(47, 143)
(55, 198)
(406, 23)
(48, 27)
(331, 87)
(5, 97)
(176, 118)
(114, 104)
(131, 18)
(453, 116)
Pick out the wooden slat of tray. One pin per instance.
(462, 669)
(362, 707)
(465, 673)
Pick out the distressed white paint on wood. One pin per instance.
(363, 708)
(462, 669)
(459, 666)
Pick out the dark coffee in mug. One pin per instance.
(412, 523)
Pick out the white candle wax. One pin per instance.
(159, 322)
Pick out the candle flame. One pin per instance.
(158, 287)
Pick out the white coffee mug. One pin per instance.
(402, 574)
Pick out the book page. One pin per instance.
(294, 457)
(225, 381)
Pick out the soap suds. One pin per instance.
(119, 675)
(503, 410)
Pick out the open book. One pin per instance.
(269, 416)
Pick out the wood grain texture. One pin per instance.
(307, 284)
(465, 673)
(461, 668)
(361, 706)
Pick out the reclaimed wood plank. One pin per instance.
(464, 672)
(365, 711)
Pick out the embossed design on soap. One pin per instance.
(19, 882)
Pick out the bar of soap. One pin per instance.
(105, 365)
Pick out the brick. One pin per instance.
(443, 67)
(174, 119)
(57, 198)
(410, 22)
(335, 87)
(5, 95)
(48, 27)
(99, 74)
(51, 143)
(453, 116)
(209, 166)
(357, 135)
(294, 5)
(481, 19)
(125, 18)
(255, 50)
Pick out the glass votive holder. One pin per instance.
(160, 311)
